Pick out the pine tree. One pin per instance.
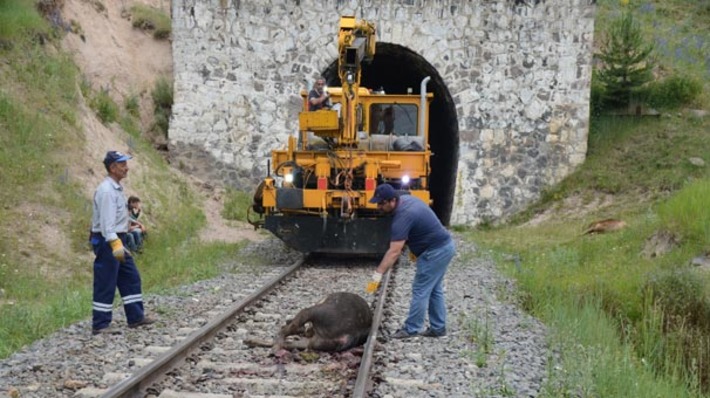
(626, 61)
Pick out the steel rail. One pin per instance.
(362, 383)
(151, 373)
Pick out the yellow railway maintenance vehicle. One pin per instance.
(317, 199)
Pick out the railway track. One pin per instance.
(215, 362)
(492, 348)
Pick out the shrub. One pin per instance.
(104, 106)
(679, 294)
(149, 18)
(627, 66)
(132, 106)
(162, 96)
(236, 204)
(673, 91)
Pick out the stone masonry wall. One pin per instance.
(518, 71)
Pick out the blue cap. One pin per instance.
(383, 192)
(115, 156)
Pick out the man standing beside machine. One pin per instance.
(414, 223)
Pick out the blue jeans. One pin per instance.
(134, 240)
(428, 291)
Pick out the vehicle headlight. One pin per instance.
(288, 177)
(405, 179)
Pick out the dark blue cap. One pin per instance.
(383, 192)
(115, 156)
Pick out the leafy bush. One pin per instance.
(673, 91)
(162, 96)
(132, 106)
(104, 106)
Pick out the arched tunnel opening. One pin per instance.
(395, 69)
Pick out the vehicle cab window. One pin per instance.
(396, 119)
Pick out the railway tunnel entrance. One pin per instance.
(395, 69)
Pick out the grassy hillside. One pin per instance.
(45, 263)
(641, 313)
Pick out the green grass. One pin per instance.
(591, 361)
(687, 214)
(162, 95)
(648, 157)
(236, 204)
(625, 324)
(104, 106)
(18, 18)
(152, 19)
(45, 271)
(561, 271)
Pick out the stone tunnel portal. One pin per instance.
(395, 69)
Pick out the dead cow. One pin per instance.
(338, 323)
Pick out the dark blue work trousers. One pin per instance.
(109, 274)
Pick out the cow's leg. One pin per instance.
(298, 344)
(296, 326)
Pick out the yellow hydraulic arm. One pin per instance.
(356, 43)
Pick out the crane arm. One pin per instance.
(356, 43)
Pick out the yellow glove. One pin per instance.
(119, 252)
(374, 283)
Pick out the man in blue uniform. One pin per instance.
(114, 266)
(414, 223)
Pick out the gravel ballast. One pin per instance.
(492, 348)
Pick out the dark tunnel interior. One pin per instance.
(396, 68)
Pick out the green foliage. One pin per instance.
(626, 63)
(19, 19)
(162, 95)
(658, 315)
(673, 92)
(597, 95)
(150, 18)
(683, 308)
(236, 205)
(132, 106)
(686, 213)
(680, 296)
(105, 107)
(590, 359)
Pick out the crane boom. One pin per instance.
(356, 44)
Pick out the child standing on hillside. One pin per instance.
(136, 229)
